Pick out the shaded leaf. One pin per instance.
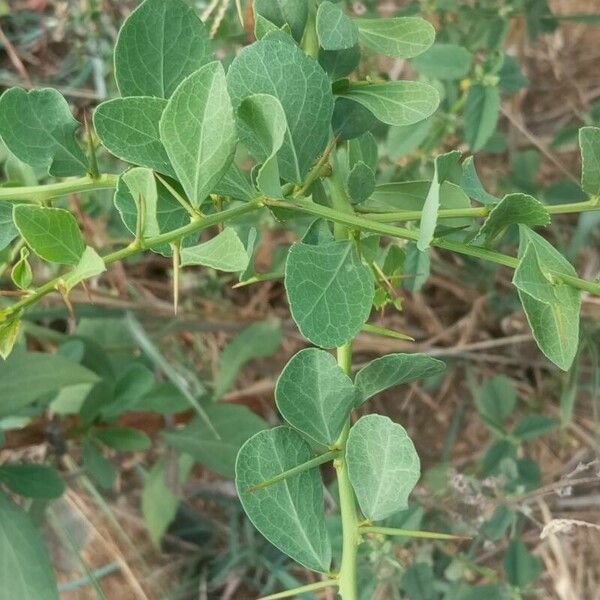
(281, 13)
(444, 61)
(482, 110)
(534, 426)
(520, 565)
(123, 439)
(32, 481)
(589, 142)
(291, 513)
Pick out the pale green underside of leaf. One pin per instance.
(335, 29)
(290, 514)
(400, 37)
(520, 209)
(276, 66)
(383, 466)
(159, 45)
(233, 423)
(25, 569)
(52, 233)
(39, 129)
(90, 265)
(198, 131)
(9, 332)
(396, 102)
(315, 396)
(8, 231)
(472, 185)
(43, 373)
(482, 110)
(128, 129)
(262, 127)
(141, 184)
(330, 291)
(170, 214)
(552, 309)
(224, 252)
(394, 369)
(589, 142)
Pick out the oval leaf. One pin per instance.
(159, 45)
(315, 396)
(335, 29)
(396, 102)
(128, 129)
(330, 291)
(482, 110)
(401, 37)
(394, 369)
(52, 233)
(32, 481)
(383, 466)
(276, 66)
(290, 514)
(198, 131)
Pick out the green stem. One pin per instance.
(41, 193)
(365, 224)
(429, 535)
(479, 211)
(309, 464)
(165, 238)
(304, 589)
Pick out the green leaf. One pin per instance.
(52, 233)
(123, 439)
(262, 127)
(259, 340)
(281, 13)
(534, 426)
(276, 66)
(330, 291)
(589, 143)
(32, 481)
(25, 569)
(361, 182)
(392, 370)
(224, 252)
(9, 331)
(339, 63)
(233, 423)
(497, 525)
(471, 184)
(315, 396)
(335, 29)
(21, 273)
(482, 110)
(363, 149)
(90, 265)
(97, 466)
(159, 500)
(522, 567)
(128, 129)
(444, 61)
(444, 167)
(395, 102)
(159, 45)
(170, 214)
(417, 268)
(418, 582)
(401, 37)
(514, 209)
(8, 231)
(401, 141)
(44, 373)
(198, 131)
(141, 184)
(552, 308)
(350, 119)
(496, 399)
(383, 466)
(39, 129)
(290, 514)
